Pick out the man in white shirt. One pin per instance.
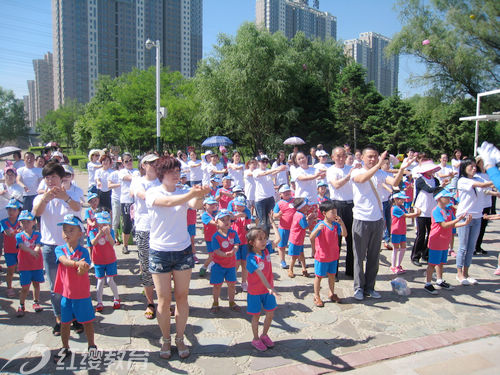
(446, 172)
(339, 182)
(368, 223)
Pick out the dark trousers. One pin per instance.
(420, 250)
(344, 210)
(484, 223)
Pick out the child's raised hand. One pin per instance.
(468, 219)
(83, 267)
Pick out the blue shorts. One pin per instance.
(103, 270)
(79, 309)
(168, 261)
(242, 252)
(192, 229)
(209, 246)
(398, 238)
(295, 250)
(322, 269)
(284, 234)
(218, 274)
(255, 303)
(10, 259)
(26, 277)
(437, 257)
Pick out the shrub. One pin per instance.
(74, 159)
(82, 164)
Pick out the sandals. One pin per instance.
(182, 353)
(290, 273)
(318, 302)
(305, 273)
(117, 304)
(99, 307)
(335, 298)
(215, 308)
(166, 348)
(37, 307)
(233, 306)
(151, 313)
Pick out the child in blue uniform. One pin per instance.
(10, 227)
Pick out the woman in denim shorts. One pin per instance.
(170, 254)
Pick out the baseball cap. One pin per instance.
(210, 200)
(222, 213)
(227, 178)
(68, 169)
(71, 219)
(103, 217)
(400, 195)
(149, 158)
(322, 183)
(284, 188)
(14, 203)
(240, 201)
(443, 194)
(91, 196)
(321, 153)
(26, 215)
(10, 168)
(237, 189)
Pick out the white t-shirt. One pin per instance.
(306, 189)
(384, 193)
(92, 168)
(168, 224)
(30, 177)
(264, 186)
(4, 199)
(54, 213)
(455, 165)
(443, 171)
(344, 193)
(249, 185)
(125, 196)
(470, 201)
(142, 220)
(366, 205)
(115, 192)
(485, 198)
(103, 175)
(425, 201)
(412, 165)
(195, 173)
(236, 174)
(75, 193)
(16, 191)
(293, 172)
(281, 177)
(322, 167)
(19, 164)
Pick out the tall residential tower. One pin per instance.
(368, 51)
(292, 16)
(94, 37)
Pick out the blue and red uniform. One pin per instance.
(224, 267)
(398, 224)
(209, 228)
(103, 255)
(287, 210)
(30, 267)
(297, 234)
(10, 230)
(258, 295)
(439, 237)
(327, 249)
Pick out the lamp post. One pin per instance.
(159, 111)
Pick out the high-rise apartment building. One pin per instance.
(31, 103)
(368, 51)
(94, 37)
(292, 16)
(44, 87)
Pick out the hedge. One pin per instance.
(74, 159)
(82, 163)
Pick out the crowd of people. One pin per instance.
(365, 198)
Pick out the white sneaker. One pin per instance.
(472, 281)
(359, 294)
(463, 281)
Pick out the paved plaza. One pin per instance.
(353, 335)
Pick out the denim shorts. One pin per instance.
(168, 261)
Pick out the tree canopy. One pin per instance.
(12, 116)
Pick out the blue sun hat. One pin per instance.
(443, 194)
(210, 200)
(71, 219)
(284, 188)
(400, 195)
(26, 215)
(103, 217)
(91, 196)
(322, 183)
(14, 203)
(222, 213)
(238, 189)
(215, 179)
(240, 201)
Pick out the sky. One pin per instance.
(26, 32)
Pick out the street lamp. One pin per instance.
(160, 112)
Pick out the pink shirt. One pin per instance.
(26, 261)
(298, 229)
(224, 199)
(226, 244)
(327, 242)
(287, 209)
(68, 283)
(439, 237)
(102, 252)
(263, 263)
(9, 239)
(398, 220)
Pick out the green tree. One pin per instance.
(353, 102)
(463, 52)
(12, 116)
(58, 125)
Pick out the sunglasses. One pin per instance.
(127, 161)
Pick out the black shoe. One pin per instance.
(56, 331)
(444, 285)
(484, 252)
(424, 261)
(62, 355)
(430, 289)
(77, 327)
(417, 263)
(480, 252)
(349, 275)
(93, 352)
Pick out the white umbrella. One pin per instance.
(8, 150)
(294, 141)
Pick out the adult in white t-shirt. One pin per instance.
(340, 185)
(51, 207)
(236, 169)
(322, 164)
(264, 190)
(425, 187)
(92, 166)
(101, 179)
(368, 223)
(470, 203)
(116, 187)
(306, 180)
(170, 254)
(126, 199)
(249, 182)
(139, 187)
(446, 172)
(195, 171)
(281, 177)
(28, 177)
